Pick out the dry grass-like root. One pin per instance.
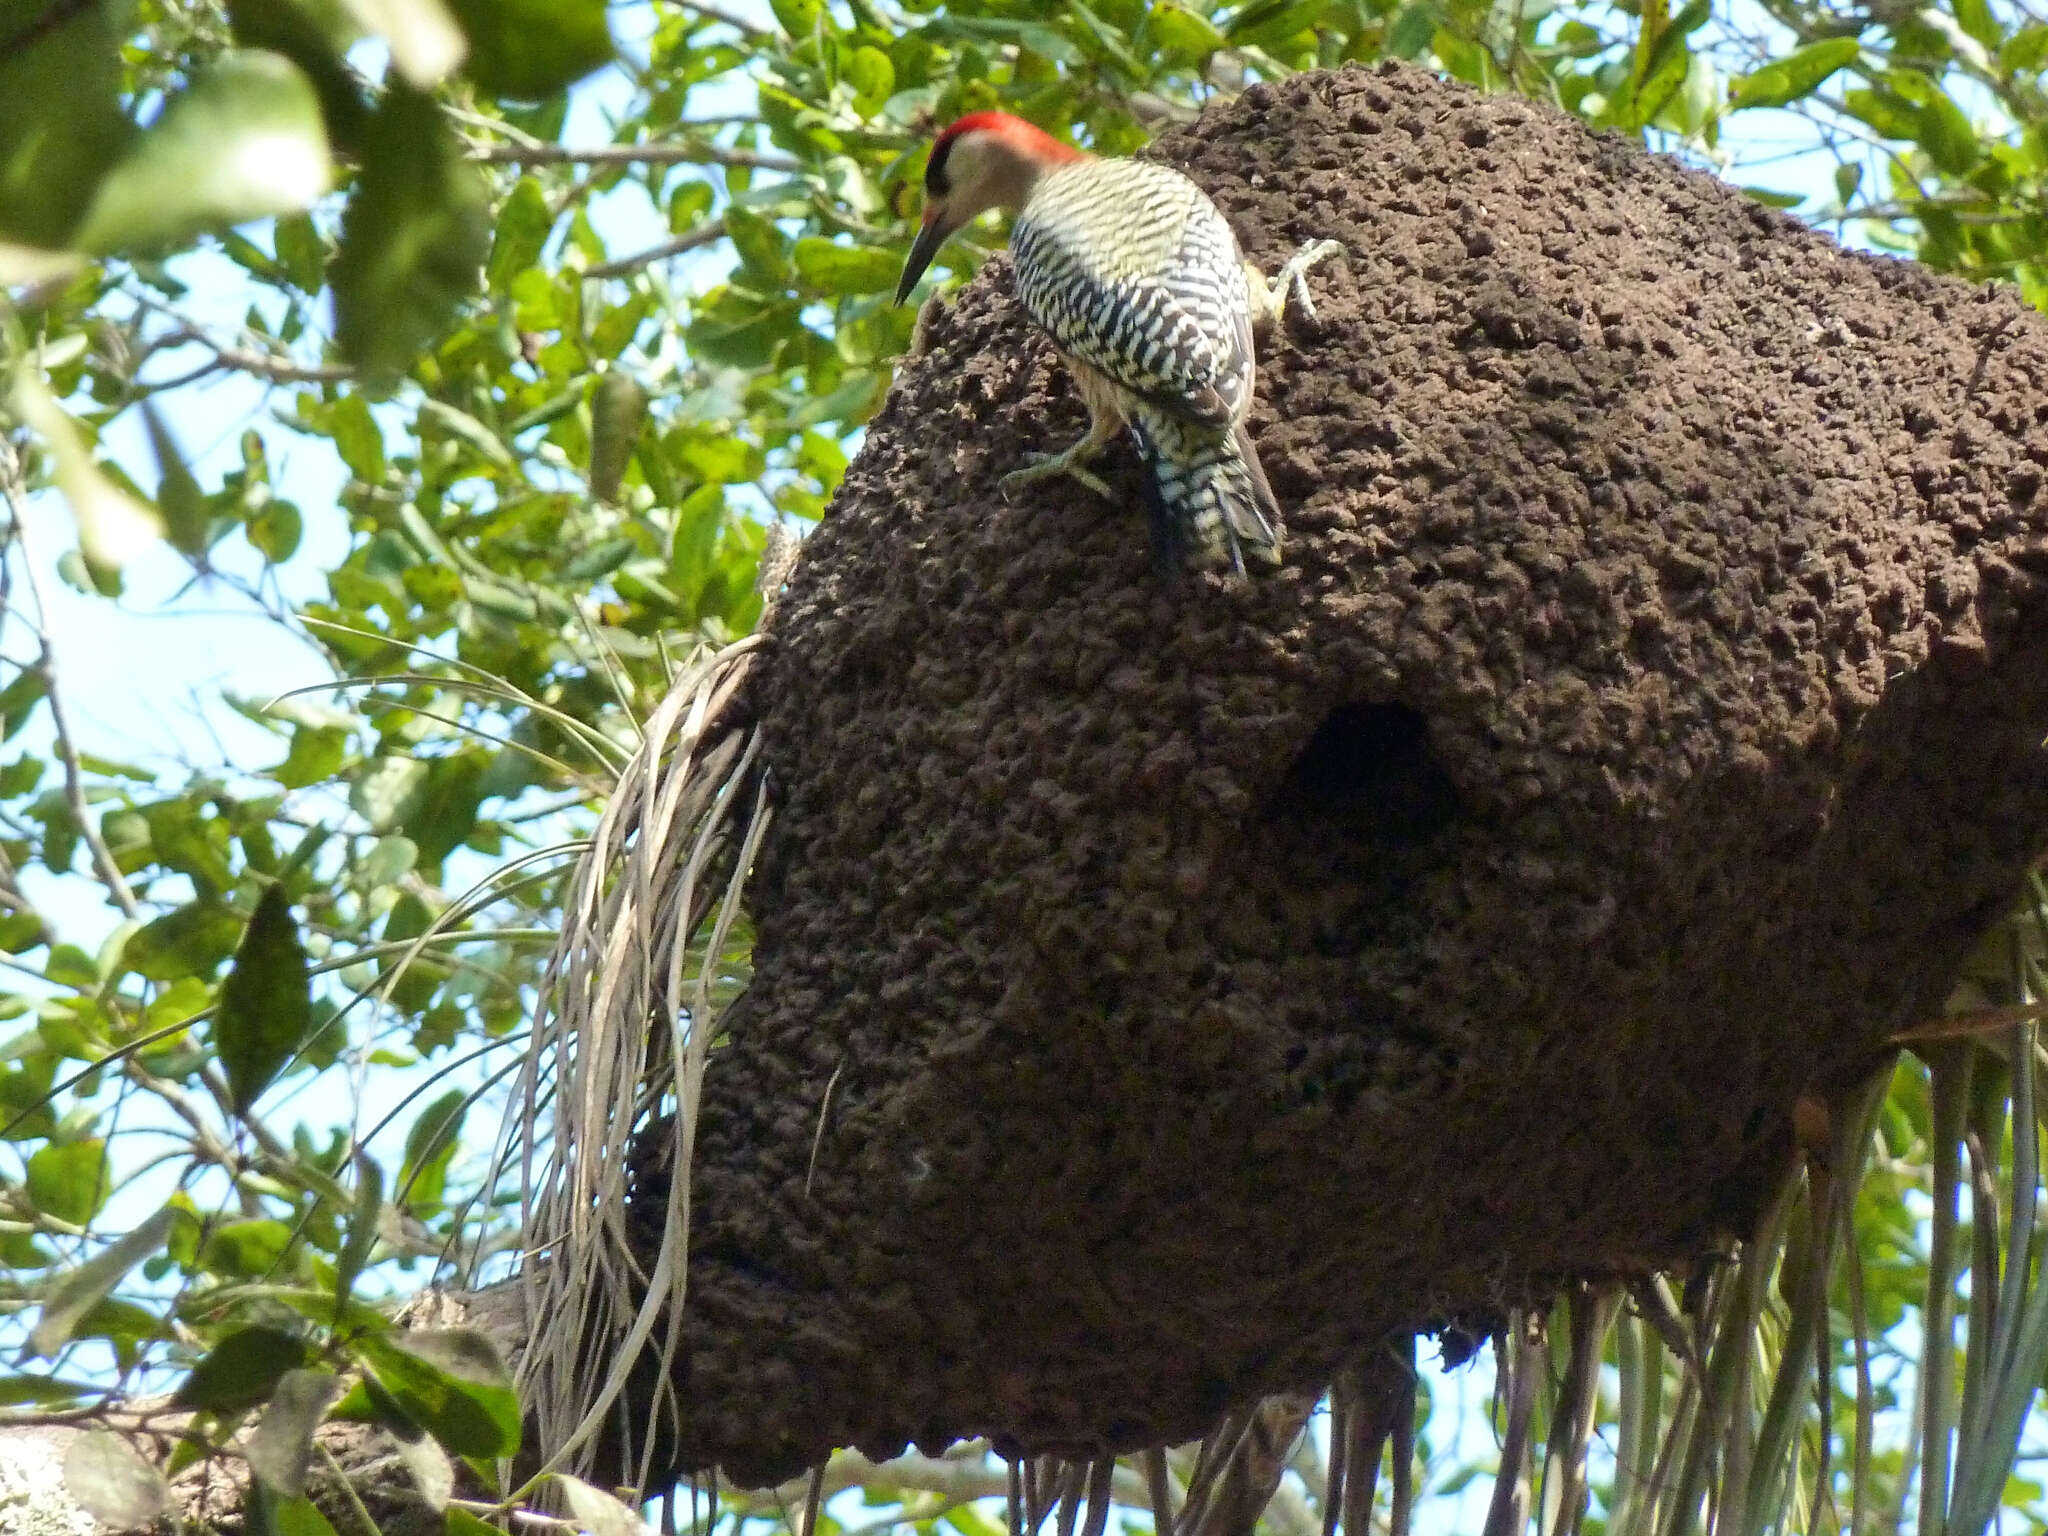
(625, 1025)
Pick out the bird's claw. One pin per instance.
(1294, 275)
(1044, 466)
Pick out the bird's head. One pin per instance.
(985, 160)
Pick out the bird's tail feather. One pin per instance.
(1210, 504)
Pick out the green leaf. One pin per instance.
(78, 1291)
(799, 18)
(178, 496)
(266, 1003)
(281, 1446)
(69, 1182)
(1910, 106)
(522, 234)
(42, 1391)
(1698, 101)
(63, 125)
(1177, 29)
(362, 1227)
(1947, 134)
(276, 531)
(872, 77)
(2026, 50)
(314, 37)
(690, 202)
(617, 326)
(301, 252)
(761, 248)
(740, 331)
(533, 48)
(1662, 66)
(467, 430)
(412, 240)
(851, 402)
(357, 438)
(249, 1249)
(241, 1370)
(1978, 21)
(1109, 43)
(300, 1516)
(365, 1402)
(1413, 28)
(827, 267)
(1265, 23)
(114, 768)
(190, 941)
(389, 793)
(618, 406)
(316, 754)
(451, 1383)
(1889, 114)
(1797, 75)
(185, 838)
(18, 700)
(424, 40)
(111, 1481)
(113, 528)
(554, 408)
(445, 811)
(388, 860)
(460, 1522)
(724, 460)
(600, 560)
(243, 141)
(429, 1145)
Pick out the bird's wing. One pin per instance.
(1140, 279)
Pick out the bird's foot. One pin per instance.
(1043, 466)
(1291, 281)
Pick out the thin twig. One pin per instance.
(1509, 1509)
(227, 357)
(814, 1498)
(739, 24)
(109, 872)
(818, 1137)
(707, 233)
(670, 153)
(349, 1495)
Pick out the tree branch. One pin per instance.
(12, 492)
(739, 24)
(264, 365)
(667, 153)
(704, 234)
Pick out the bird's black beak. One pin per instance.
(930, 236)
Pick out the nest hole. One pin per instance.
(1369, 768)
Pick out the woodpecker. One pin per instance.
(1139, 281)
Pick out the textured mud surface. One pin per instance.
(1210, 981)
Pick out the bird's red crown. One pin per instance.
(1027, 138)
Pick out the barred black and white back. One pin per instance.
(1135, 274)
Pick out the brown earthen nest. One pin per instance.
(1164, 994)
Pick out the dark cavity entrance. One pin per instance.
(1370, 766)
